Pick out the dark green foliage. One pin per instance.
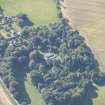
(58, 61)
(36, 56)
(23, 20)
(3, 45)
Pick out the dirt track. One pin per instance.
(4, 99)
(88, 16)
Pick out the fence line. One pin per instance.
(13, 100)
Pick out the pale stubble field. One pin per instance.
(4, 98)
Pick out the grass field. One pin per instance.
(100, 100)
(35, 96)
(88, 16)
(41, 12)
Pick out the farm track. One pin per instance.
(88, 16)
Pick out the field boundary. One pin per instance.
(88, 30)
(13, 100)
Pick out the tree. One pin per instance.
(1, 10)
(23, 60)
(36, 77)
(3, 45)
(23, 20)
(36, 41)
(37, 56)
(32, 64)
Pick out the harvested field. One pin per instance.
(88, 16)
(4, 99)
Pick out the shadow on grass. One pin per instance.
(23, 97)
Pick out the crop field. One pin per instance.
(4, 99)
(41, 12)
(88, 16)
(35, 96)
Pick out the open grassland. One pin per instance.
(88, 16)
(35, 96)
(100, 100)
(41, 12)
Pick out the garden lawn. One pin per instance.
(34, 94)
(100, 100)
(41, 12)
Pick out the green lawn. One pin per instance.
(41, 12)
(3, 33)
(100, 100)
(34, 94)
